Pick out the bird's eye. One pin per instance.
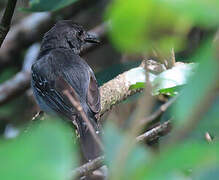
(80, 32)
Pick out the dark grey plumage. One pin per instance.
(59, 60)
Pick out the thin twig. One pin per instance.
(155, 132)
(158, 112)
(76, 104)
(173, 58)
(88, 167)
(6, 19)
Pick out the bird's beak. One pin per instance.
(90, 38)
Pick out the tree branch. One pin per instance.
(21, 81)
(118, 89)
(115, 91)
(6, 19)
(155, 132)
(17, 84)
(88, 167)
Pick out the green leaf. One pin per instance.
(183, 158)
(143, 25)
(48, 5)
(199, 12)
(168, 82)
(209, 172)
(45, 152)
(137, 76)
(171, 91)
(138, 85)
(209, 124)
(137, 156)
(200, 83)
(176, 76)
(137, 28)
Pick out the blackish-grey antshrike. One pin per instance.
(59, 63)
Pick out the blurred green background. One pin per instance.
(47, 149)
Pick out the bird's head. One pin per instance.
(67, 34)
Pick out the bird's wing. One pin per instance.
(80, 76)
(44, 83)
(93, 95)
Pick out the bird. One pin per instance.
(59, 67)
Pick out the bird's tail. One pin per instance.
(89, 146)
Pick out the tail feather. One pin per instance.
(89, 146)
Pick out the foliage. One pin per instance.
(47, 150)
(196, 91)
(181, 161)
(140, 25)
(44, 151)
(137, 85)
(176, 162)
(137, 156)
(170, 91)
(168, 82)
